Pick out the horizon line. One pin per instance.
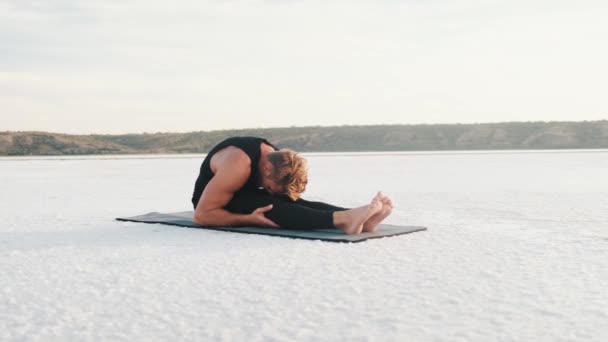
(309, 126)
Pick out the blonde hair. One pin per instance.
(290, 171)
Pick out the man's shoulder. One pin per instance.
(231, 156)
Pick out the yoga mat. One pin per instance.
(184, 219)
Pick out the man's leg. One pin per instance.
(286, 213)
(319, 205)
(312, 204)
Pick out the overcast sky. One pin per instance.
(115, 66)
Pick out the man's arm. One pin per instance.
(231, 174)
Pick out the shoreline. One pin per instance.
(306, 154)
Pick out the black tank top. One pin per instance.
(250, 145)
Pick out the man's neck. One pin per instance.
(264, 150)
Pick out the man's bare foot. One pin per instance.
(351, 221)
(387, 207)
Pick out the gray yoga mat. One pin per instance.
(184, 219)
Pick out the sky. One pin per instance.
(132, 66)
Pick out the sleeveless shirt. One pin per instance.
(249, 145)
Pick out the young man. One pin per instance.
(247, 181)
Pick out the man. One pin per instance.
(247, 181)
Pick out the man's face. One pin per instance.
(272, 187)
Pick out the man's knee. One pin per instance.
(247, 202)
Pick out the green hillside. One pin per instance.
(490, 136)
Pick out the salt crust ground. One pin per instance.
(517, 250)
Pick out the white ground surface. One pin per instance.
(517, 250)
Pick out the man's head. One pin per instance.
(285, 172)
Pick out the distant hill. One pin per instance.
(488, 136)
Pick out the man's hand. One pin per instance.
(257, 217)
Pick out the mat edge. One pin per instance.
(418, 229)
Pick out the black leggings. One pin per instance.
(288, 214)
